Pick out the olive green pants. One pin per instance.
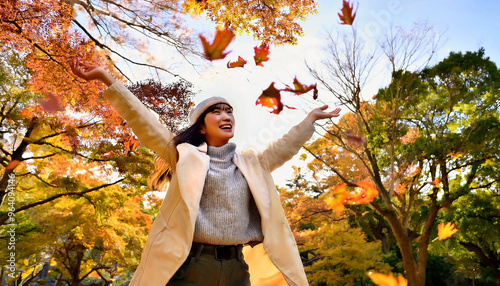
(205, 270)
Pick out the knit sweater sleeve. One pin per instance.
(283, 149)
(144, 123)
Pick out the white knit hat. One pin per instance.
(195, 113)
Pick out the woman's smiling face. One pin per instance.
(218, 126)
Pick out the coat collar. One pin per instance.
(203, 147)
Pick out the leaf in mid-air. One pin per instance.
(261, 54)
(435, 183)
(366, 195)
(387, 280)
(340, 195)
(237, 64)
(215, 50)
(337, 199)
(347, 14)
(52, 104)
(354, 139)
(271, 98)
(299, 88)
(130, 144)
(446, 230)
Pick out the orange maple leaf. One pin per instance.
(435, 183)
(215, 51)
(387, 280)
(367, 195)
(130, 144)
(446, 230)
(52, 104)
(11, 166)
(261, 54)
(340, 196)
(271, 98)
(299, 88)
(237, 64)
(347, 15)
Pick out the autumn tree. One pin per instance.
(427, 139)
(255, 17)
(332, 250)
(78, 163)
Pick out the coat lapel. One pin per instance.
(249, 167)
(192, 167)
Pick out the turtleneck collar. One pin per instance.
(225, 151)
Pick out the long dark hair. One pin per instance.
(192, 135)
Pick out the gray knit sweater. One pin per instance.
(228, 214)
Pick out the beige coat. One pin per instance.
(274, 261)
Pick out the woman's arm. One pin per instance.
(283, 149)
(149, 130)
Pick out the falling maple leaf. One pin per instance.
(299, 88)
(387, 280)
(52, 104)
(271, 97)
(337, 199)
(215, 51)
(364, 193)
(446, 230)
(347, 15)
(435, 183)
(261, 54)
(354, 139)
(237, 64)
(130, 144)
(11, 166)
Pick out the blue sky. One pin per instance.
(462, 26)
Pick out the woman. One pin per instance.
(218, 199)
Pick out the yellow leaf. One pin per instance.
(387, 280)
(446, 230)
(52, 262)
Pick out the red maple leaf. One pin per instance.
(52, 104)
(215, 51)
(236, 64)
(354, 139)
(261, 54)
(299, 88)
(347, 15)
(271, 98)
